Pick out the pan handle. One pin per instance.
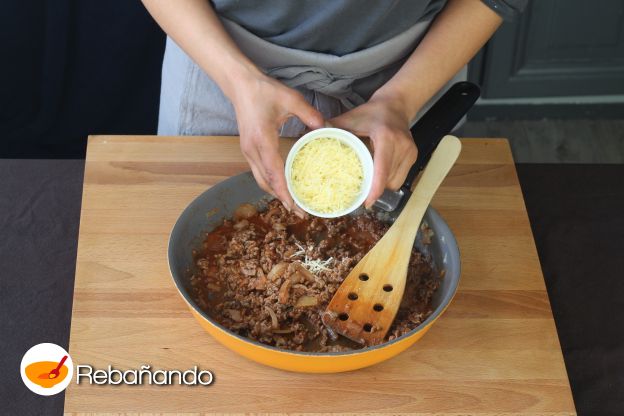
(437, 122)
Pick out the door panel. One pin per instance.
(558, 48)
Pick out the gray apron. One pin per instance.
(192, 104)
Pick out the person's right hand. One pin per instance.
(262, 105)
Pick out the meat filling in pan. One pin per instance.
(269, 276)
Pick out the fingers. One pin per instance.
(268, 167)
(298, 211)
(382, 164)
(262, 183)
(308, 115)
(394, 155)
(249, 147)
(273, 171)
(273, 168)
(258, 125)
(407, 159)
(349, 121)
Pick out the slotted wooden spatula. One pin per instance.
(367, 301)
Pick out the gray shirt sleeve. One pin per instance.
(507, 9)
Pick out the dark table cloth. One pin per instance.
(576, 212)
(39, 216)
(577, 218)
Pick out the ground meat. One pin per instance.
(269, 276)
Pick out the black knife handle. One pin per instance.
(438, 121)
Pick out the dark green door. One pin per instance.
(558, 48)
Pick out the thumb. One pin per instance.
(308, 115)
(348, 121)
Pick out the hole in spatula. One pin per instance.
(343, 316)
(352, 296)
(367, 327)
(387, 288)
(363, 277)
(378, 307)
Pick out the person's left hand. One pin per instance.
(394, 152)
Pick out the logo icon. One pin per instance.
(47, 369)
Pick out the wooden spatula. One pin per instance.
(367, 302)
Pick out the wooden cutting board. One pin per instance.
(495, 351)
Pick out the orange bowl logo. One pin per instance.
(47, 369)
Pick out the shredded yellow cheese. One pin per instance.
(314, 266)
(327, 175)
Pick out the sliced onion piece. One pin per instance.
(306, 301)
(274, 322)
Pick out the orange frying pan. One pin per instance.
(222, 199)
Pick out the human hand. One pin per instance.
(262, 105)
(386, 123)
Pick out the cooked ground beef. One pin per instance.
(269, 276)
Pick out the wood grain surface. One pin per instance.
(494, 352)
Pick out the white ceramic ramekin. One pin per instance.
(350, 140)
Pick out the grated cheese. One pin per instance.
(327, 175)
(314, 266)
(317, 266)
